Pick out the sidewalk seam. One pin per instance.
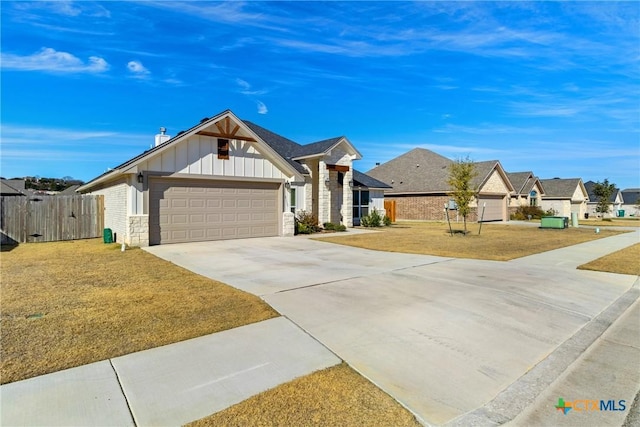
(133, 418)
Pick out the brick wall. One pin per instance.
(425, 208)
(115, 209)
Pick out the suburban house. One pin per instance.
(565, 196)
(615, 201)
(418, 181)
(226, 178)
(631, 201)
(528, 190)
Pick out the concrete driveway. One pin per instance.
(451, 339)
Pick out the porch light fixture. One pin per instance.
(287, 185)
(327, 181)
(351, 183)
(140, 177)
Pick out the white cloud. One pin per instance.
(245, 88)
(262, 109)
(48, 59)
(138, 70)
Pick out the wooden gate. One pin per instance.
(390, 208)
(50, 218)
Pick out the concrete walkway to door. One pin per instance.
(451, 339)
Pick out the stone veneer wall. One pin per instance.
(137, 230)
(288, 224)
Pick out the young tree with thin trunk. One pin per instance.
(603, 191)
(461, 174)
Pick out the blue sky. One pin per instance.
(552, 87)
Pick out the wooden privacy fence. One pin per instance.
(50, 218)
(390, 208)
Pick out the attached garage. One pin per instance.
(201, 210)
(494, 208)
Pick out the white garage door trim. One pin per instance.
(182, 210)
(494, 211)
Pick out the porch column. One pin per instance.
(324, 194)
(347, 199)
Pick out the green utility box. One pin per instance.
(621, 213)
(107, 235)
(554, 222)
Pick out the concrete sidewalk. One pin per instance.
(573, 256)
(169, 385)
(607, 370)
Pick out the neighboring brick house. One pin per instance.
(528, 190)
(565, 196)
(615, 201)
(226, 178)
(418, 181)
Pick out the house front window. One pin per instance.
(223, 149)
(292, 194)
(360, 205)
(533, 198)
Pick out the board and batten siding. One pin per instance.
(115, 208)
(198, 155)
(376, 200)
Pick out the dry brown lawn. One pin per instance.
(496, 241)
(611, 222)
(336, 396)
(66, 304)
(625, 261)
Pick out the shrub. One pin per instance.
(374, 219)
(386, 221)
(306, 223)
(523, 212)
(334, 227)
(303, 229)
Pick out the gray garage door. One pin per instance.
(494, 210)
(193, 211)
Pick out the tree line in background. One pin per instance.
(50, 184)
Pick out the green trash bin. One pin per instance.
(107, 235)
(621, 213)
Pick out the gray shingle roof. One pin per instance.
(523, 182)
(630, 196)
(8, 189)
(316, 147)
(285, 147)
(69, 191)
(520, 181)
(423, 171)
(417, 171)
(559, 187)
(364, 180)
(590, 185)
